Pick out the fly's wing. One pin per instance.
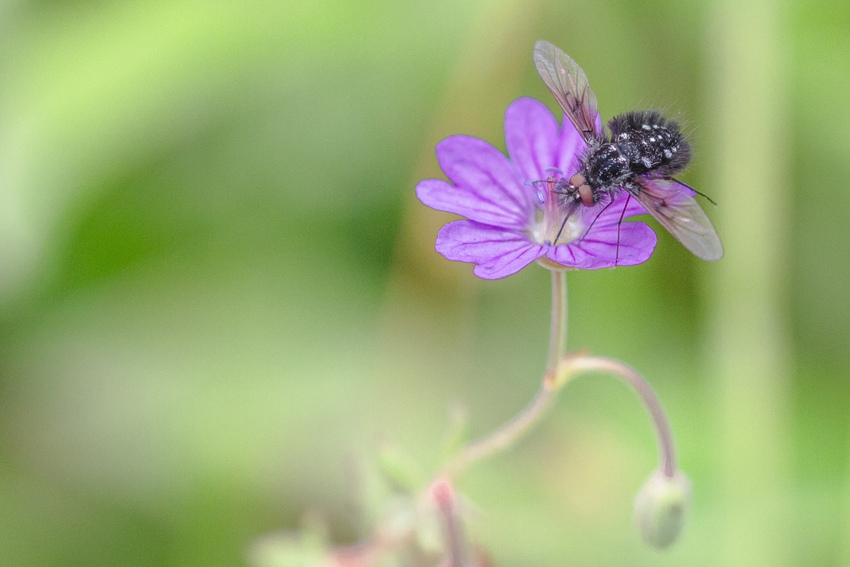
(570, 86)
(674, 207)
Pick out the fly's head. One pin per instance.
(583, 191)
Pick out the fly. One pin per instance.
(640, 153)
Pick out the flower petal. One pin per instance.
(602, 245)
(487, 185)
(532, 139)
(498, 253)
(444, 196)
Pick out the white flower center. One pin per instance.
(550, 226)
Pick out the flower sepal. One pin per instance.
(551, 265)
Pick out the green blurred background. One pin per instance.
(217, 289)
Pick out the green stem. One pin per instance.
(558, 325)
(508, 433)
(663, 431)
(560, 369)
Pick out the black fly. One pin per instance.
(640, 154)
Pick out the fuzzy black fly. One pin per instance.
(640, 153)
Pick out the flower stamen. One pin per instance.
(553, 215)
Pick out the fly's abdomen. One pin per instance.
(653, 145)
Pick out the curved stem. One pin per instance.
(558, 324)
(531, 414)
(663, 432)
(560, 369)
(507, 433)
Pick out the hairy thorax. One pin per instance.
(641, 143)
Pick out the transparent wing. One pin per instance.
(570, 86)
(674, 207)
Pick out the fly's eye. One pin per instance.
(577, 180)
(586, 194)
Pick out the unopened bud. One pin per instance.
(661, 506)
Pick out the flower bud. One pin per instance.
(660, 508)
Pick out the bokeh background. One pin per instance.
(218, 293)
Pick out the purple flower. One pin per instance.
(514, 217)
